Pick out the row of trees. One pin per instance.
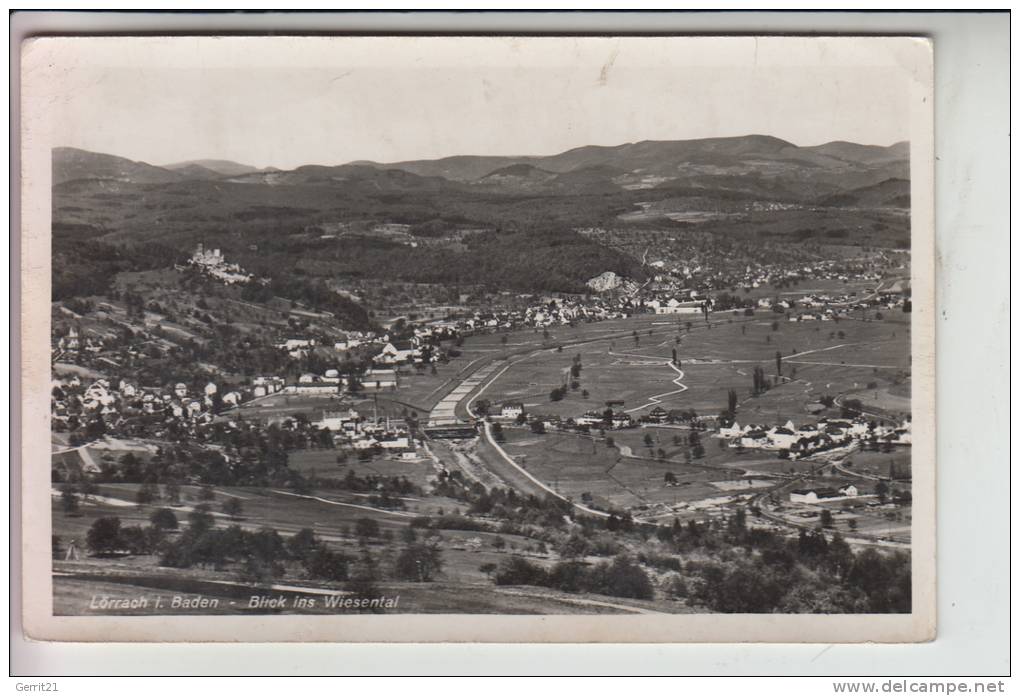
(621, 577)
(751, 569)
(262, 555)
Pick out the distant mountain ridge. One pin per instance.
(70, 164)
(632, 165)
(660, 157)
(527, 224)
(220, 167)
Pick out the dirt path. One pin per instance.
(580, 601)
(383, 511)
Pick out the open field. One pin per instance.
(634, 368)
(584, 468)
(722, 357)
(872, 463)
(854, 516)
(461, 588)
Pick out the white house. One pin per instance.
(674, 306)
(815, 495)
(399, 441)
(732, 431)
(782, 438)
(314, 388)
(753, 438)
(512, 409)
(294, 343)
(261, 386)
(338, 420)
(391, 355)
(590, 419)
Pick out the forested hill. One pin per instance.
(507, 223)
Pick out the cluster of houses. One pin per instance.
(75, 402)
(564, 312)
(73, 342)
(416, 350)
(826, 434)
(811, 496)
(614, 420)
(607, 420)
(705, 279)
(212, 263)
(542, 313)
(675, 306)
(332, 382)
(660, 416)
(116, 399)
(350, 428)
(421, 346)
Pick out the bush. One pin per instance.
(568, 576)
(518, 571)
(418, 562)
(621, 578)
(327, 565)
(366, 527)
(233, 508)
(618, 578)
(164, 518)
(104, 535)
(140, 541)
(69, 501)
(302, 544)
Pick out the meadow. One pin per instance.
(818, 358)
(463, 587)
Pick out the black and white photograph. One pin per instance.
(450, 329)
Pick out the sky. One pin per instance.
(285, 102)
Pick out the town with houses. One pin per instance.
(120, 403)
(356, 381)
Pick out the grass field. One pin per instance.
(869, 359)
(869, 355)
(714, 361)
(323, 463)
(579, 467)
(461, 588)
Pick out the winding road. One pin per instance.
(657, 398)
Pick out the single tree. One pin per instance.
(420, 562)
(366, 527)
(163, 519)
(69, 500)
(104, 535)
(233, 508)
